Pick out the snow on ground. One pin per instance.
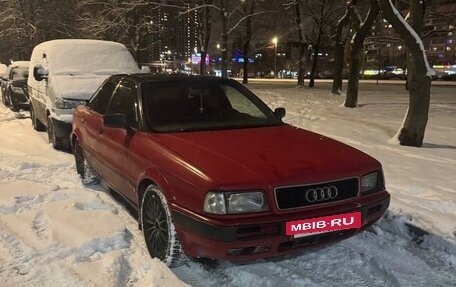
(56, 232)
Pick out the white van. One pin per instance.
(65, 73)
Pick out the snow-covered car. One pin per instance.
(14, 86)
(66, 73)
(214, 172)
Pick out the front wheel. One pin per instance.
(57, 142)
(36, 124)
(83, 168)
(158, 228)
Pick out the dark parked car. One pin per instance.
(14, 86)
(212, 170)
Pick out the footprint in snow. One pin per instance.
(40, 225)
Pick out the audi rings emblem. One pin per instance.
(321, 194)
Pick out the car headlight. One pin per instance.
(371, 181)
(17, 90)
(61, 103)
(219, 202)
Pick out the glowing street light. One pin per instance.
(275, 40)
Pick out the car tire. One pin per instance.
(158, 228)
(6, 101)
(88, 176)
(36, 124)
(57, 142)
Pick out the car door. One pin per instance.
(114, 143)
(92, 119)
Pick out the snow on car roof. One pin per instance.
(77, 56)
(20, 64)
(3, 68)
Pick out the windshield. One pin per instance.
(202, 104)
(19, 73)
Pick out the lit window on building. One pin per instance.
(448, 48)
(434, 49)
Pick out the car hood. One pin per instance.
(280, 155)
(78, 87)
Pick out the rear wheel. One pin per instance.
(37, 125)
(158, 228)
(88, 176)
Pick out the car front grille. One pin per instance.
(307, 195)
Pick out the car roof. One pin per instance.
(150, 77)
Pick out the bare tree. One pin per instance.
(411, 133)
(356, 51)
(202, 24)
(128, 22)
(25, 23)
(341, 37)
(248, 9)
(324, 14)
(204, 31)
(231, 17)
(302, 25)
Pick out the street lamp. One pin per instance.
(275, 40)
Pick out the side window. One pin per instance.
(124, 102)
(100, 99)
(241, 103)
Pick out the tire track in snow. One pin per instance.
(23, 260)
(34, 201)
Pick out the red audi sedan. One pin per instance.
(215, 173)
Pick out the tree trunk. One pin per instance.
(202, 70)
(248, 36)
(302, 46)
(206, 37)
(338, 68)
(224, 39)
(411, 133)
(339, 50)
(317, 46)
(356, 53)
(302, 64)
(314, 63)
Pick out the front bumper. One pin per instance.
(18, 100)
(248, 241)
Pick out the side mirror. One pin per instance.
(39, 73)
(280, 113)
(117, 121)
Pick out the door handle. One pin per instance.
(100, 131)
